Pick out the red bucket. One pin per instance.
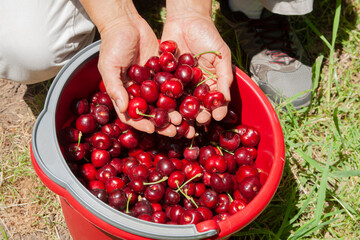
(89, 218)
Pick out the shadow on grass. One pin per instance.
(35, 96)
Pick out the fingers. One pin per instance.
(219, 113)
(224, 72)
(191, 133)
(175, 117)
(204, 117)
(169, 131)
(143, 125)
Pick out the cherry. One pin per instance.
(101, 114)
(123, 127)
(158, 156)
(102, 86)
(139, 73)
(172, 87)
(249, 187)
(145, 217)
(137, 185)
(174, 149)
(130, 195)
(117, 163)
(75, 151)
(99, 157)
(189, 107)
(102, 98)
(133, 90)
(154, 192)
(80, 106)
(167, 62)
(224, 203)
(176, 178)
(143, 206)
(205, 153)
(171, 197)
(159, 117)
(246, 171)
(197, 76)
(100, 194)
(106, 172)
(101, 141)
(139, 171)
(209, 199)
(185, 73)
(159, 217)
(115, 150)
(230, 162)
(128, 164)
(193, 171)
(199, 189)
(189, 188)
(182, 129)
(136, 106)
(69, 135)
(187, 58)
(229, 140)
(222, 183)
(177, 163)
(166, 102)
(250, 138)
(111, 129)
(236, 206)
(95, 184)
(243, 156)
(129, 139)
(213, 99)
(114, 183)
(221, 216)
(161, 77)
(176, 213)
(165, 167)
(87, 172)
(117, 199)
(145, 158)
(191, 153)
(215, 163)
(149, 91)
(201, 91)
(230, 118)
(191, 216)
(168, 46)
(86, 123)
(153, 64)
(205, 212)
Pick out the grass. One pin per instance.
(318, 195)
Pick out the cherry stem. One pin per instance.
(143, 114)
(221, 148)
(203, 81)
(159, 181)
(214, 52)
(208, 72)
(128, 203)
(185, 195)
(231, 199)
(197, 175)
(79, 140)
(192, 142)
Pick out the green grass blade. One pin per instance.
(349, 173)
(5, 237)
(349, 210)
(317, 71)
(336, 122)
(322, 189)
(320, 35)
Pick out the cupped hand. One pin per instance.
(125, 42)
(196, 34)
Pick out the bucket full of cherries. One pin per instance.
(116, 182)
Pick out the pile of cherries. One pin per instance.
(157, 178)
(166, 83)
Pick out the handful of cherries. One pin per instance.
(153, 177)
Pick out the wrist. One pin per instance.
(110, 12)
(188, 8)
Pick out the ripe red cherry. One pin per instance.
(133, 90)
(191, 153)
(117, 199)
(154, 192)
(153, 64)
(167, 62)
(139, 171)
(229, 140)
(187, 58)
(137, 105)
(250, 138)
(145, 158)
(141, 207)
(222, 183)
(176, 178)
(111, 129)
(102, 86)
(100, 194)
(191, 216)
(213, 100)
(172, 87)
(189, 107)
(205, 153)
(87, 172)
(69, 135)
(230, 162)
(117, 163)
(86, 123)
(230, 118)
(139, 73)
(166, 102)
(106, 172)
(161, 77)
(221, 216)
(197, 76)
(149, 91)
(209, 199)
(176, 213)
(246, 171)
(201, 90)
(101, 141)
(102, 98)
(224, 203)
(249, 187)
(185, 73)
(165, 167)
(115, 150)
(192, 169)
(236, 206)
(243, 156)
(129, 139)
(168, 46)
(171, 197)
(159, 217)
(101, 113)
(80, 106)
(137, 185)
(75, 152)
(114, 183)
(100, 158)
(182, 129)
(159, 117)
(215, 164)
(205, 212)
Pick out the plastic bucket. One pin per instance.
(89, 218)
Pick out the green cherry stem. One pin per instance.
(214, 52)
(197, 175)
(231, 199)
(186, 196)
(207, 71)
(128, 203)
(143, 114)
(79, 140)
(159, 181)
(221, 148)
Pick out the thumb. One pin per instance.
(223, 69)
